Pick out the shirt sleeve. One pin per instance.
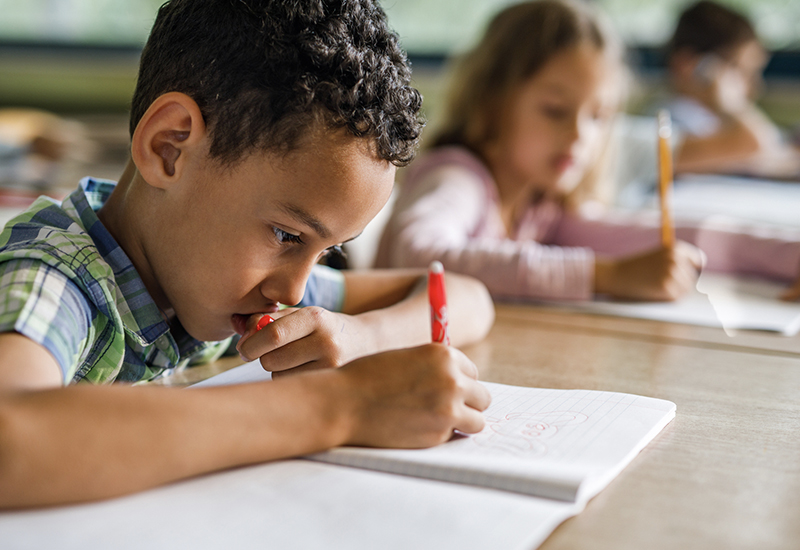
(40, 302)
(730, 247)
(325, 288)
(441, 218)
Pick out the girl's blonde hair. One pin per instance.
(518, 42)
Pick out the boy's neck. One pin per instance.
(119, 215)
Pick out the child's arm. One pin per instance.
(745, 142)
(82, 442)
(383, 309)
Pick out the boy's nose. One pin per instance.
(287, 285)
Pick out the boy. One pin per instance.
(715, 62)
(264, 134)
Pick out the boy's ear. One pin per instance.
(169, 133)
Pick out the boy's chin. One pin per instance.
(210, 333)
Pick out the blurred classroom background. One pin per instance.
(68, 68)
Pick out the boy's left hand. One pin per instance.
(304, 339)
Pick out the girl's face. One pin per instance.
(552, 127)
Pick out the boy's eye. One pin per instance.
(285, 237)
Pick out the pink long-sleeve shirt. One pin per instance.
(448, 210)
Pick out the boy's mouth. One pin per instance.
(239, 320)
(239, 323)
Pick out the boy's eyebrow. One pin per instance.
(304, 217)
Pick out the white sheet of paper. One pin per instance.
(732, 303)
(758, 200)
(294, 504)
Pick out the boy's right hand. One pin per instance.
(664, 274)
(410, 398)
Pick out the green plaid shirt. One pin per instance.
(66, 284)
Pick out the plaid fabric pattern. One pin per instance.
(66, 284)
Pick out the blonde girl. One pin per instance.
(498, 194)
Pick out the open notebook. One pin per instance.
(559, 444)
(564, 444)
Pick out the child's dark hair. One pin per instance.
(708, 27)
(264, 72)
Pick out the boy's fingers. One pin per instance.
(471, 421)
(272, 337)
(290, 356)
(465, 365)
(293, 370)
(477, 396)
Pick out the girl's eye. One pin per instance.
(555, 112)
(285, 237)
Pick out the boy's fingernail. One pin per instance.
(242, 338)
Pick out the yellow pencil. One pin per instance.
(665, 177)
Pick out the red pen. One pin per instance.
(264, 321)
(438, 300)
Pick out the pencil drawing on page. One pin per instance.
(525, 434)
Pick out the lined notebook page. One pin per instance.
(561, 444)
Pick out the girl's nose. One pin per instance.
(575, 128)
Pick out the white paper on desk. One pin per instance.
(294, 504)
(737, 198)
(732, 303)
(243, 374)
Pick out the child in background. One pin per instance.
(715, 62)
(499, 194)
(264, 135)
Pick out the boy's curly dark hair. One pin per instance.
(263, 72)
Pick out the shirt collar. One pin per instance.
(140, 314)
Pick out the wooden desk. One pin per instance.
(724, 474)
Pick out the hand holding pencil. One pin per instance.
(668, 272)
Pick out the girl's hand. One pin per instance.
(665, 274)
(305, 339)
(410, 398)
(792, 294)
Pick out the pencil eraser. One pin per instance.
(264, 321)
(436, 267)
